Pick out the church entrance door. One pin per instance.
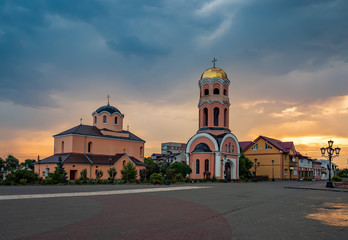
(73, 174)
(228, 172)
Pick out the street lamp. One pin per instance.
(330, 152)
(168, 161)
(272, 170)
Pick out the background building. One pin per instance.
(98, 147)
(272, 157)
(305, 167)
(325, 169)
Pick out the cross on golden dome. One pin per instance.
(214, 60)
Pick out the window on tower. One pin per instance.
(225, 117)
(216, 116)
(95, 119)
(104, 119)
(90, 147)
(216, 91)
(206, 92)
(205, 117)
(115, 120)
(225, 92)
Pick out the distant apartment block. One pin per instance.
(173, 147)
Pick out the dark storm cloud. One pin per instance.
(47, 45)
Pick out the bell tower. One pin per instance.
(214, 102)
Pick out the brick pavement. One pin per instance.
(223, 211)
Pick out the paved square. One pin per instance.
(218, 211)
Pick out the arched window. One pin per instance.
(216, 116)
(197, 166)
(141, 151)
(233, 148)
(216, 91)
(225, 117)
(225, 147)
(62, 146)
(205, 117)
(104, 119)
(229, 147)
(206, 92)
(115, 120)
(206, 165)
(225, 92)
(90, 147)
(95, 119)
(124, 162)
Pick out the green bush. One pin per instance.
(187, 180)
(83, 176)
(48, 180)
(336, 179)
(23, 181)
(156, 178)
(19, 177)
(99, 181)
(129, 172)
(77, 181)
(213, 179)
(179, 167)
(178, 177)
(307, 179)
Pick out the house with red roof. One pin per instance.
(272, 157)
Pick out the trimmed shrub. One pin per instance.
(336, 179)
(187, 180)
(156, 178)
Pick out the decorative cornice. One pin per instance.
(215, 79)
(120, 114)
(201, 102)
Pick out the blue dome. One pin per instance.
(109, 109)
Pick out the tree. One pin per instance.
(142, 173)
(22, 176)
(129, 172)
(59, 175)
(244, 167)
(112, 173)
(83, 176)
(151, 167)
(99, 174)
(343, 173)
(11, 162)
(180, 167)
(29, 163)
(2, 164)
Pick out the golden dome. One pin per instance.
(214, 72)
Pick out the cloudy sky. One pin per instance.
(287, 62)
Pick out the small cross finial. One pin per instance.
(127, 127)
(108, 97)
(80, 121)
(214, 60)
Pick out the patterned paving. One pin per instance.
(97, 193)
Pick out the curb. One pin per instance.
(319, 189)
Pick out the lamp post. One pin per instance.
(330, 154)
(110, 160)
(168, 161)
(272, 170)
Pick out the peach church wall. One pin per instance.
(90, 169)
(101, 146)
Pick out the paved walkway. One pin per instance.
(98, 193)
(321, 186)
(263, 210)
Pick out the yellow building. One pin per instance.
(272, 158)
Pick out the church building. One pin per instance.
(95, 147)
(213, 150)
